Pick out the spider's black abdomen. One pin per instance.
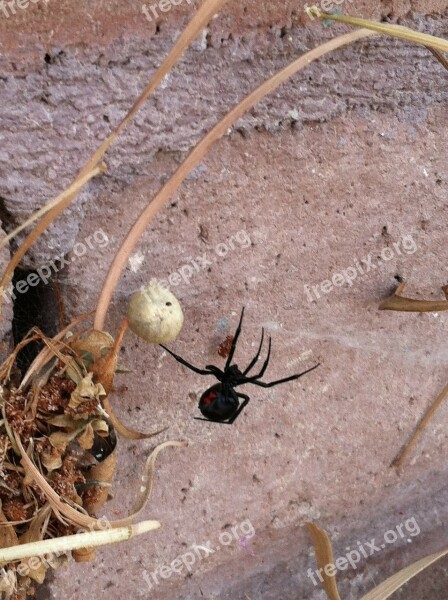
(218, 403)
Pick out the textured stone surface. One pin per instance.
(312, 201)
(324, 173)
(59, 102)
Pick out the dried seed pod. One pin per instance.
(154, 314)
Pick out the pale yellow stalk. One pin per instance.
(67, 543)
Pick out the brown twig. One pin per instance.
(440, 57)
(84, 520)
(45, 354)
(398, 31)
(399, 459)
(200, 19)
(122, 429)
(197, 154)
(401, 303)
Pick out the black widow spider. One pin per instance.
(220, 402)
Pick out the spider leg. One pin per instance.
(272, 383)
(234, 341)
(255, 358)
(187, 364)
(261, 373)
(240, 408)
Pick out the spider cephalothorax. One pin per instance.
(221, 402)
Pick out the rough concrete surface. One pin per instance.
(345, 162)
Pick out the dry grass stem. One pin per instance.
(196, 156)
(64, 544)
(400, 303)
(203, 15)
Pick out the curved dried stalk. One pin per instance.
(403, 454)
(440, 57)
(148, 479)
(104, 369)
(195, 157)
(66, 543)
(324, 557)
(7, 365)
(45, 355)
(400, 303)
(122, 429)
(203, 15)
(398, 580)
(74, 188)
(398, 31)
(75, 516)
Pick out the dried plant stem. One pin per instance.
(78, 540)
(72, 189)
(324, 556)
(398, 31)
(108, 371)
(400, 303)
(122, 429)
(6, 367)
(148, 479)
(401, 457)
(84, 520)
(203, 15)
(46, 353)
(440, 57)
(398, 580)
(106, 366)
(195, 157)
(9, 432)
